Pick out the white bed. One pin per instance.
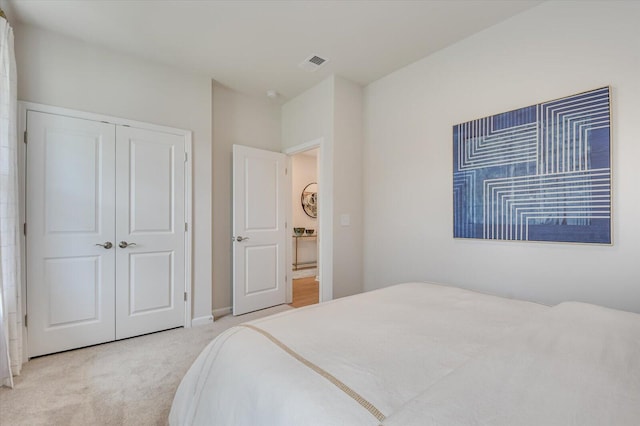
(418, 354)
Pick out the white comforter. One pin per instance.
(575, 364)
(353, 361)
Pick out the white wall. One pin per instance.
(243, 120)
(348, 140)
(309, 116)
(66, 72)
(332, 111)
(553, 50)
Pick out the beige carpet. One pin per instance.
(129, 382)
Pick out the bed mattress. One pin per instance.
(352, 361)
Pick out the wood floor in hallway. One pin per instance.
(305, 292)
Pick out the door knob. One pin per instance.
(106, 245)
(124, 244)
(241, 239)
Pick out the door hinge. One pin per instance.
(286, 171)
(26, 320)
(185, 157)
(24, 229)
(186, 227)
(285, 225)
(25, 136)
(185, 296)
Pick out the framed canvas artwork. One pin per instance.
(538, 173)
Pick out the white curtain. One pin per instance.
(10, 304)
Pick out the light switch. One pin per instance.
(345, 219)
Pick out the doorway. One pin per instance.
(305, 227)
(324, 229)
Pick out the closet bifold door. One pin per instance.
(150, 231)
(105, 232)
(71, 224)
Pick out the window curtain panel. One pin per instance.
(10, 303)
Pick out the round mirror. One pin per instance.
(309, 199)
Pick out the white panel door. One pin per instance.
(259, 234)
(150, 231)
(71, 224)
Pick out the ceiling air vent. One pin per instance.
(312, 63)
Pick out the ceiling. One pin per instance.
(254, 46)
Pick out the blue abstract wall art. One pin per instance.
(539, 173)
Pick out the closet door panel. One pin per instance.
(70, 212)
(150, 231)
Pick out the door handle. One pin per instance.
(241, 239)
(124, 244)
(106, 245)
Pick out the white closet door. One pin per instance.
(70, 211)
(150, 234)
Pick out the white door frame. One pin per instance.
(23, 107)
(325, 218)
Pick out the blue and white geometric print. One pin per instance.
(539, 173)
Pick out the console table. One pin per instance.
(302, 265)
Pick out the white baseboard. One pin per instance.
(208, 319)
(220, 312)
